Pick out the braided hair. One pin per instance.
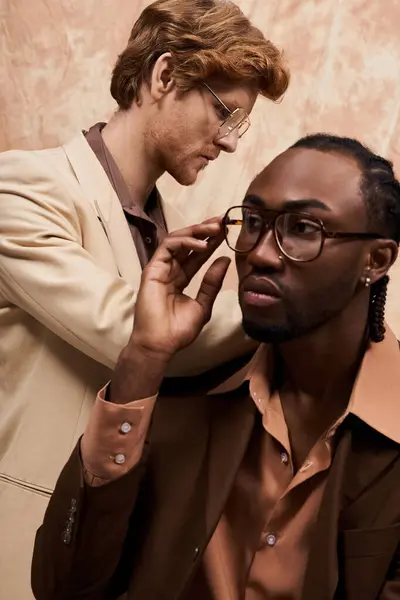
(381, 193)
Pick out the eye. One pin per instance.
(252, 222)
(222, 113)
(304, 227)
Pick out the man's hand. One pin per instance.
(167, 320)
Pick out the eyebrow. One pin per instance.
(303, 203)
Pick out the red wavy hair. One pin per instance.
(207, 39)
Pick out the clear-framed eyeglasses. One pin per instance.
(237, 119)
(299, 236)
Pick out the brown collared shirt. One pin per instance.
(148, 227)
(261, 545)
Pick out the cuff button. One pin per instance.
(125, 427)
(119, 459)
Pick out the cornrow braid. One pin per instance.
(376, 317)
(381, 193)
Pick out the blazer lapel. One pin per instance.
(232, 419)
(232, 423)
(321, 577)
(100, 194)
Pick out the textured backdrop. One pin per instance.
(56, 57)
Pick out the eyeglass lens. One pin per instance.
(298, 237)
(237, 120)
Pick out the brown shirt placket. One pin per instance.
(148, 227)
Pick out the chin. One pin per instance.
(268, 333)
(184, 177)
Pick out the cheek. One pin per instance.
(178, 141)
(201, 130)
(190, 127)
(202, 124)
(322, 285)
(242, 267)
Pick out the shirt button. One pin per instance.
(284, 458)
(119, 459)
(271, 539)
(148, 240)
(125, 427)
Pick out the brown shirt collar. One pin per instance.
(375, 396)
(153, 204)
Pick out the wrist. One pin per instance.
(138, 374)
(140, 350)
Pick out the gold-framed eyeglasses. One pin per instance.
(299, 236)
(237, 119)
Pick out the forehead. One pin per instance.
(301, 173)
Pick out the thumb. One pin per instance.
(211, 285)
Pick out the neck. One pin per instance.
(125, 137)
(322, 366)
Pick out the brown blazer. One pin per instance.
(147, 531)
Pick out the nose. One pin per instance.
(229, 142)
(266, 254)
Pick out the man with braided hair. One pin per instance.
(280, 477)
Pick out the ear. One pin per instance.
(382, 255)
(161, 81)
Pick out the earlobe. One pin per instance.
(162, 82)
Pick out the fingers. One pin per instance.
(173, 247)
(209, 228)
(181, 250)
(202, 231)
(196, 260)
(211, 285)
(214, 219)
(186, 250)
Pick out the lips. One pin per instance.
(260, 293)
(261, 286)
(210, 156)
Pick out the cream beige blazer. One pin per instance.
(69, 274)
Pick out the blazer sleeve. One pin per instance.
(80, 543)
(44, 268)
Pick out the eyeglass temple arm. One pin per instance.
(217, 98)
(339, 234)
(229, 221)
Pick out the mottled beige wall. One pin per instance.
(56, 56)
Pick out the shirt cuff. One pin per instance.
(114, 437)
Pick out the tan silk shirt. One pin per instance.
(148, 227)
(261, 545)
